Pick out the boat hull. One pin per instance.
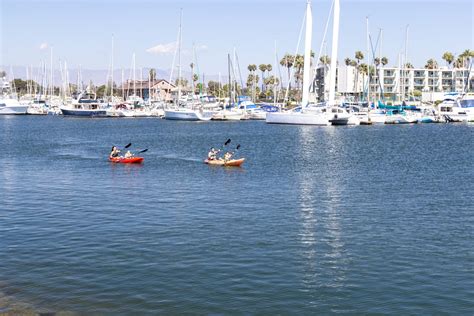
(224, 163)
(187, 115)
(292, 118)
(126, 160)
(12, 107)
(84, 113)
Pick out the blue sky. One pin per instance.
(81, 30)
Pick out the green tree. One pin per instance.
(152, 74)
(101, 91)
(263, 68)
(325, 60)
(384, 61)
(448, 58)
(3, 74)
(347, 61)
(358, 56)
(431, 64)
(195, 79)
(183, 82)
(213, 88)
(288, 61)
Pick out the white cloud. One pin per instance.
(162, 48)
(201, 47)
(43, 46)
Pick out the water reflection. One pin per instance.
(320, 201)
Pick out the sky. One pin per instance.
(80, 31)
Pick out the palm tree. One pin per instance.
(299, 64)
(358, 56)
(192, 74)
(252, 67)
(325, 60)
(363, 69)
(253, 77)
(195, 78)
(409, 66)
(152, 74)
(431, 64)
(347, 61)
(384, 61)
(377, 61)
(448, 57)
(465, 58)
(288, 61)
(263, 68)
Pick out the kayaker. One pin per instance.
(212, 155)
(128, 154)
(115, 152)
(228, 156)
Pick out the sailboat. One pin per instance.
(8, 102)
(180, 113)
(306, 115)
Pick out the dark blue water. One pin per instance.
(368, 219)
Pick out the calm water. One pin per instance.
(376, 219)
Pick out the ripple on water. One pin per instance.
(318, 220)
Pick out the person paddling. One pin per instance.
(212, 155)
(228, 156)
(114, 153)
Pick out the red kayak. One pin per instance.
(126, 160)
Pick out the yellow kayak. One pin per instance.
(228, 163)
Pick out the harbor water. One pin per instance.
(367, 219)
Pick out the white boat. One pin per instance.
(11, 106)
(307, 116)
(467, 103)
(8, 103)
(340, 116)
(251, 111)
(227, 115)
(185, 114)
(400, 117)
(86, 105)
(37, 107)
(451, 110)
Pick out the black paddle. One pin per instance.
(142, 151)
(238, 146)
(227, 142)
(128, 145)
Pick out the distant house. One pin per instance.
(163, 90)
(159, 89)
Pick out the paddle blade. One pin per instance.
(142, 151)
(227, 142)
(128, 145)
(238, 146)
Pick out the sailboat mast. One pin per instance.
(51, 78)
(307, 55)
(230, 90)
(134, 76)
(335, 37)
(112, 76)
(368, 59)
(179, 56)
(405, 63)
(275, 65)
